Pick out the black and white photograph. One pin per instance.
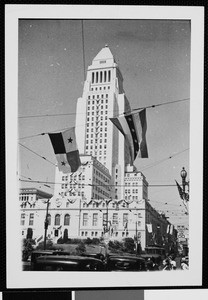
(104, 136)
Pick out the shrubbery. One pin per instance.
(49, 245)
(80, 249)
(126, 245)
(27, 248)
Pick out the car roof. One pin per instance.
(65, 258)
(126, 257)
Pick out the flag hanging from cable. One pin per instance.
(65, 148)
(180, 190)
(134, 127)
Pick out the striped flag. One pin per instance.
(65, 148)
(180, 190)
(134, 127)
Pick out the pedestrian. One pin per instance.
(173, 263)
(167, 265)
(184, 265)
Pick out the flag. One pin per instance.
(149, 228)
(65, 148)
(134, 127)
(180, 190)
(171, 229)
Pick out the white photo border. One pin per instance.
(16, 278)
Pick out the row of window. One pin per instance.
(98, 98)
(102, 140)
(100, 88)
(101, 76)
(23, 198)
(131, 183)
(96, 147)
(74, 176)
(133, 191)
(26, 204)
(85, 219)
(67, 185)
(131, 197)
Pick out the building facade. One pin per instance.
(81, 210)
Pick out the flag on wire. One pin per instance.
(180, 190)
(134, 127)
(65, 148)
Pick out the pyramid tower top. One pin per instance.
(104, 54)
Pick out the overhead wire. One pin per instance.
(37, 154)
(125, 113)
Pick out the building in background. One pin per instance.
(103, 98)
(106, 197)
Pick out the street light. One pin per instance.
(184, 184)
(106, 229)
(46, 224)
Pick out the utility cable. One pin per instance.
(124, 113)
(37, 154)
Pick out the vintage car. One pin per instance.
(126, 263)
(156, 258)
(67, 263)
(37, 253)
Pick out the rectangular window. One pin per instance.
(22, 219)
(85, 218)
(125, 219)
(31, 219)
(115, 218)
(95, 219)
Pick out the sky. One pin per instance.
(154, 59)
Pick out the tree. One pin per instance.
(27, 248)
(65, 237)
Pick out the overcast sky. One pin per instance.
(154, 59)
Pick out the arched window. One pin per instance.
(67, 219)
(57, 220)
(49, 219)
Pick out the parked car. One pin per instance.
(67, 263)
(99, 256)
(37, 253)
(126, 263)
(156, 258)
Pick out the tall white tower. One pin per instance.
(103, 97)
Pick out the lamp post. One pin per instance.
(184, 182)
(46, 224)
(106, 229)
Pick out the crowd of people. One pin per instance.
(168, 264)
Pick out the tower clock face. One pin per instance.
(58, 202)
